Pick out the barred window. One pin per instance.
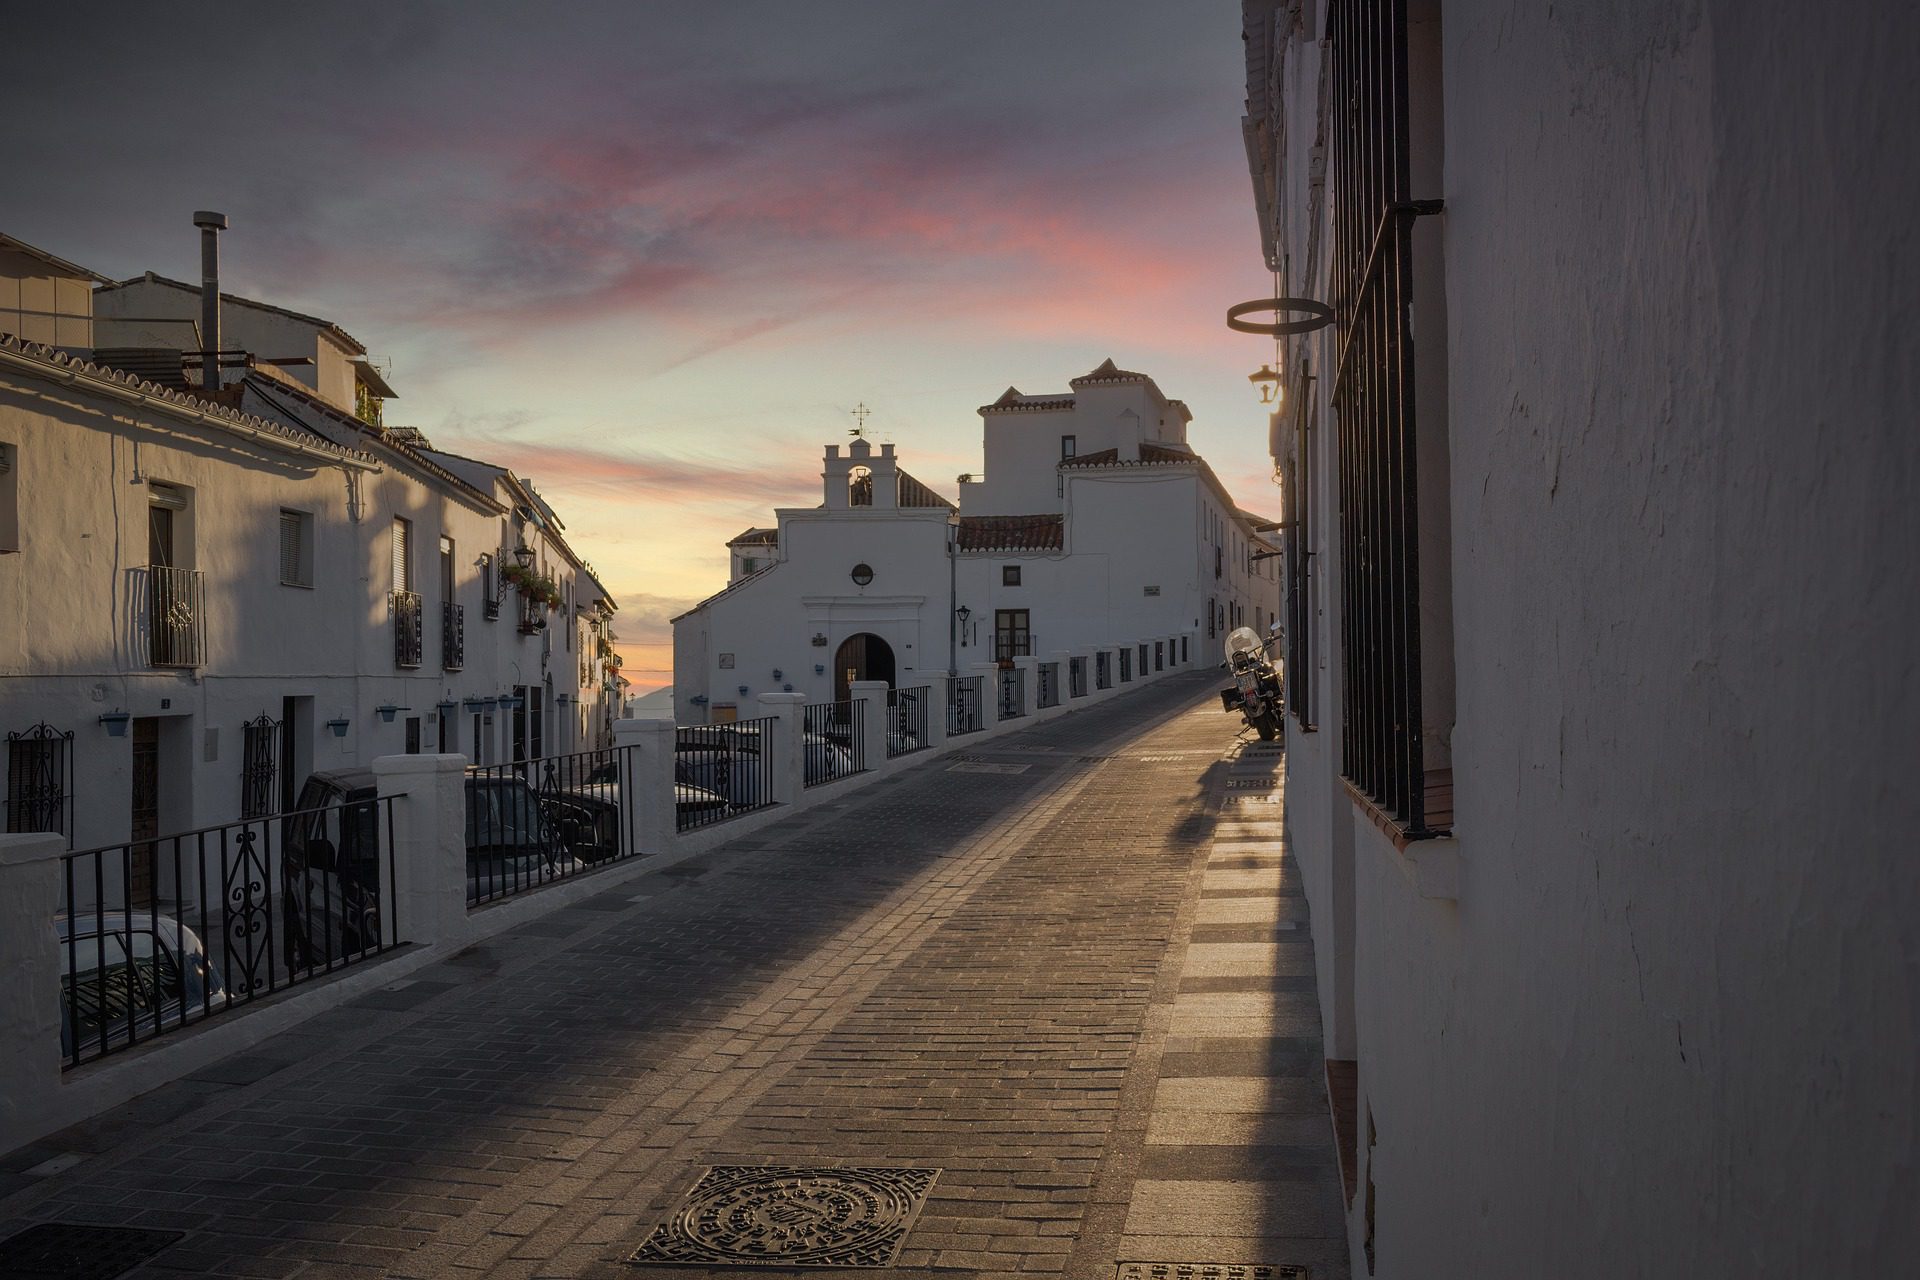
(296, 548)
(1395, 588)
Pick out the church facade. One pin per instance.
(1096, 541)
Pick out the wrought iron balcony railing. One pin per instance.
(175, 605)
(407, 644)
(453, 635)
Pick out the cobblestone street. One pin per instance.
(1070, 971)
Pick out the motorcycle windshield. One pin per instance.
(1242, 642)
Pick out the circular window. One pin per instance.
(862, 574)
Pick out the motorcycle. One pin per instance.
(1256, 687)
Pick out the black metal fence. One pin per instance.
(1103, 670)
(1047, 692)
(1076, 677)
(1126, 664)
(407, 629)
(159, 934)
(175, 604)
(836, 739)
(535, 821)
(907, 719)
(963, 705)
(1012, 690)
(722, 770)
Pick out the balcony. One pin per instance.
(406, 629)
(453, 635)
(175, 609)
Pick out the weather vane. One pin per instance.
(860, 412)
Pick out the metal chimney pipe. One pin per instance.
(211, 225)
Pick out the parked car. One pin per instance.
(129, 974)
(693, 804)
(728, 758)
(330, 863)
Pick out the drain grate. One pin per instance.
(971, 767)
(79, 1251)
(779, 1216)
(1208, 1271)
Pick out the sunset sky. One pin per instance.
(650, 255)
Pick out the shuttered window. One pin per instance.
(296, 558)
(402, 554)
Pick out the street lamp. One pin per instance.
(1269, 384)
(963, 613)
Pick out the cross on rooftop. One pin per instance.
(860, 412)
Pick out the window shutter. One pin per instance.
(402, 534)
(290, 546)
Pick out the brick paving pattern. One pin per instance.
(1083, 991)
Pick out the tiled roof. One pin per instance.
(182, 400)
(1150, 452)
(1099, 458)
(1108, 372)
(58, 264)
(757, 538)
(1011, 401)
(915, 493)
(1150, 455)
(1011, 533)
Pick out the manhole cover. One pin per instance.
(988, 768)
(774, 1216)
(1208, 1271)
(79, 1251)
(1249, 784)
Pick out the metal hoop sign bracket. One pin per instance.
(1319, 316)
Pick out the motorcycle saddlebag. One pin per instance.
(1230, 699)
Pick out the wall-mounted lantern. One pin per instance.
(339, 726)
(387, 711)
(116, 722)
(1268, 383)
(743, 691)
(776, 674)
(819, 668)
(523, 556)
(786, 688)
(963, 613)
(562, 699)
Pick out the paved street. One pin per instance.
(1069, 970)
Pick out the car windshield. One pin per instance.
(503, 816)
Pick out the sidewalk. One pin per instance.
(1042, 1006)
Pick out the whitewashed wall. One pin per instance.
(1669, 1026)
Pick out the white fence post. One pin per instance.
(939, 692)
(649, 813)
(30, 994)
(429, 844)
(872, 694)
(787, 772)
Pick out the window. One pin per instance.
(1009, 575)
(1069, 447)
(748, 564)
(40, 780)
(1395, 589)
(402, 554)
(489, 598)
(259, 769)
(296, 548)
(1011, 636)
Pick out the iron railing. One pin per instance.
(159, 934)
(1047, 690)
(907, 719)
(1012, 689)
(1076, 677)
(963, 705)
(1126, 664)
(39, 795)
(259, 766)
(1103, 670)
(408, 645)
(453, 635)
(836, 741)
(1373, 402)
(722, 770)
(1141, 669)
(1159, 655)
(543, 819)
(176, 601)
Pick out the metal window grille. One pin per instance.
(174, 601)
(259, 771)
(453, 637)
(1297, 536)
(40, 780)
(1373, 401)
(407, 629)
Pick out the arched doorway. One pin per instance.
(863, 656)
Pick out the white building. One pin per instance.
(1094, 530)
(204, 597)
(1601, 506)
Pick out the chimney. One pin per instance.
(211, 225)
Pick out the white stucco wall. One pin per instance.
(1669, 1027)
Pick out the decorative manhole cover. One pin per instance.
(1208, 1271)
(79, 1251)
(1249, 784)
(774, 1216)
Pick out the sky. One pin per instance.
(652, 255)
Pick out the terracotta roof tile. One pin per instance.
(1011, 533)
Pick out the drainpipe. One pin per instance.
(211, 225)
(953, 600)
